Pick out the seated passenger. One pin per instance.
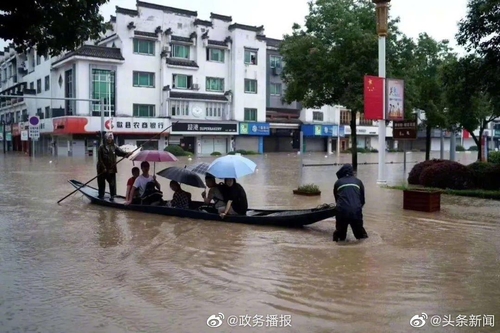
(130, 186)
(181, 198)
(141, 185)
(214, 193)
(236, 198)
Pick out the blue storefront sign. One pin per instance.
(320, 130)
(342, 131)
(259, 129)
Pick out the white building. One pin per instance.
(157, 66)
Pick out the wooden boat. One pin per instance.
(282, 218)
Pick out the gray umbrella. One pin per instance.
(182, 176)
(201, 168)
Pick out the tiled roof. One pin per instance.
(182, 62)
(94, 51)
(273, 42)
(182, 39)
(217, 42)
(246, 27)
(126, 11)
(221, 17)
(202, 22)
(145, 34)
(167, 9)
(192, 95)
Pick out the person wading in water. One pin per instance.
(106, 165)
(349, 194)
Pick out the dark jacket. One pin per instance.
(237, 195)
(106, 158)
(349, 194)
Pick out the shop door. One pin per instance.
(187, 143)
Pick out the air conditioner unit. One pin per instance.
(196, 86)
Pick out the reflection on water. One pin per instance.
(78, 267)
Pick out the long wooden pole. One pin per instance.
(156, 135)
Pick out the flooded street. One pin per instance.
(83, 268)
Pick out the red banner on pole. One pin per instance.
(374, 98)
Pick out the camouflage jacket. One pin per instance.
(106, 158)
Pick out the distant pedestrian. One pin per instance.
(349, 194)
(106, 165)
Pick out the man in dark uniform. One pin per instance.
(349, 194)
(106, 165)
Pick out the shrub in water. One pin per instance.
(494, 157)
(486, 175)
(309, 188)
(448, 175)
(177, 151)
(459, 148)
(416, 171)
(216, 153)
(473, 148)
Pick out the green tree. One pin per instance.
(429, 56)
(469, 102)
(52, 26)
(325, 61)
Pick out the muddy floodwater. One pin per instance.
(77, 267)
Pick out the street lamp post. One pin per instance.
(382, 30)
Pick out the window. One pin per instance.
(103, 88)
(214, 84)
(250, 86)
(24, 115)
(250, 57)
(144, 79)
(180, 108)
(47, 112)
(38, 59)
(345, 117)
(47, 83)
(216, 55)
(180, 51)
(144, 47)
(69, 91)
(215, 109)
(275, 89)
(180, 81)
(250, 114)
(317, 116)
(275, 62)
(38, 86)
(32, 85)
(144, 110)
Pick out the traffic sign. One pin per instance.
(405, 130)
(24, 135)
(34, 121)
(34, 127)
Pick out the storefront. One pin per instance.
(78, 136)
(204, 138)
(319, 138)
(251, 137)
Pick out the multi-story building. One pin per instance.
(157, 66)
(283, 118)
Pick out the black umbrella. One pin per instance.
(182, 176)
(200, 168)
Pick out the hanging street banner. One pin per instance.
(374, 97)
(395, 96)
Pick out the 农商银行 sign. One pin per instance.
(405, 130)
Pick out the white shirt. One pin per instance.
(140, 183)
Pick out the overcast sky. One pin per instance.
(438, 18)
